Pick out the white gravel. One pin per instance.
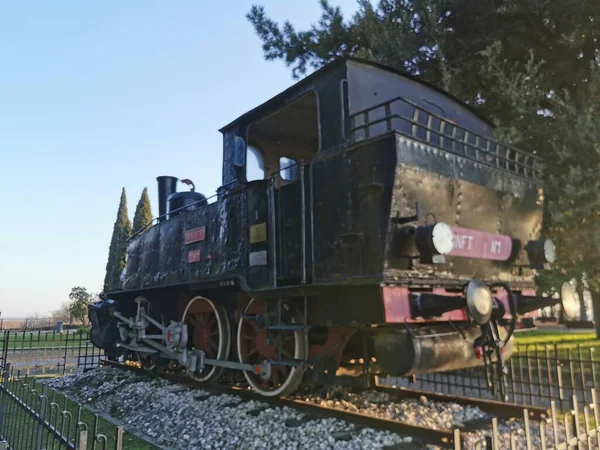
(422, 412)
(179, 417)
(183, 418)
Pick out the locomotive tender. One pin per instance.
(384, 233)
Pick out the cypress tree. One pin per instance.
(143, 212)
(118, 246)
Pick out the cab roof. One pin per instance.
(280, 99)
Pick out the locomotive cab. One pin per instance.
(364, 216)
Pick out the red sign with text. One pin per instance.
(195, 235)
(193, 256)
(479, 244)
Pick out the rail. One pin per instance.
(535, 375)
(439, 132)
(504, 410)
(531, 429)
(436, 437)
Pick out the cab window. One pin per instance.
(288, 169)
(255, 164)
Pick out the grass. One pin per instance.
(561, 344)
(40, 339)
(21, 429)
(553, 337)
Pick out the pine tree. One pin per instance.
(118, 246)
(143, 212)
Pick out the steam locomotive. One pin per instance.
(367, 225)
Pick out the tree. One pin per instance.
(531, 66)
(62, 314)
(80, 300)
(118, 246)
(444, 41)
(32, 322)
(143, 212)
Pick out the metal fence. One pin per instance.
(534, 375)
(35, 323)
(32, 416)
(576, 428)
(48, 352)
(563, 378)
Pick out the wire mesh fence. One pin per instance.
(48, 352)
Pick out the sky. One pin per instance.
(97, 96)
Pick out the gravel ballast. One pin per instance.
(180, 417)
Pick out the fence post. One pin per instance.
(82, 440)
(457, 444)
(5, 344)
(119, 439)
(66, 352)
(495, 441)
(43, 403)
(3, 397)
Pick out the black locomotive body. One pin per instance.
(387, 234)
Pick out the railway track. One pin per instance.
(439, 437)
(499, 409)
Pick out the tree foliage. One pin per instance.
(80, 299)
(143, 212)
(531, 66)
(62, 314)
(118, 246)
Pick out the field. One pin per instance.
(554, 337)
(41, 352)
(44, 339)
(567, 345)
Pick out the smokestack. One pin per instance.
(166, 186)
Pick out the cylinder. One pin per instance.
(429, 349)
(166, 186)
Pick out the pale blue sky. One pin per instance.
(96, 96)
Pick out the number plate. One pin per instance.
(479, 244)
(193, 256)
(195, 235)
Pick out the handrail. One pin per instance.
(443, 119)
(156, 219)
(525, 163)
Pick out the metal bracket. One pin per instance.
(404, 220)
